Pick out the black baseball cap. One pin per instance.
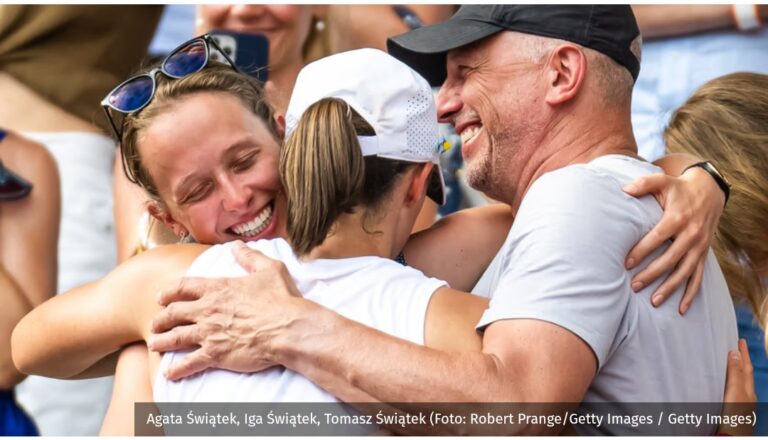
(609, 29)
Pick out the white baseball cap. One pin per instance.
(393, 98)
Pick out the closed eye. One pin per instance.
(197, 193)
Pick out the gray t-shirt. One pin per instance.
(563, 262)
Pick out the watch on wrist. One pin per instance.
(719, 178)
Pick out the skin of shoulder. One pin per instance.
(466, 242)
(109, 313)
(451, 319)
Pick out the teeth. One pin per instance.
(255, 226)
(470, 133)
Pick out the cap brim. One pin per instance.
(436, 185)
(424, 49)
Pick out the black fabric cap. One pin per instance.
(609, 29)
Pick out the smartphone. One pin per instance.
(249, 52)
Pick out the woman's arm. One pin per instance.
(132, 385)
(71, 332)
(451, 319)
(459, 247)
(692, 203)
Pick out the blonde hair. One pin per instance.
(215, 77)
(325, 175)
(726, 121)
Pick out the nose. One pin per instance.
(236, 196)
(448, 102)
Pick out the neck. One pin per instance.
(282, 79)
(570, 141)
(349, 239)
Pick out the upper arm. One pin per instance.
(548, 362)
(29, 228)
(657, 21)
(96, 319)
(465, 242)
(451, 319)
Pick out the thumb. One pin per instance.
(734, 367)
(249, 259)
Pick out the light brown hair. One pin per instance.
(213, 78)
(726, 122)
(325, 175)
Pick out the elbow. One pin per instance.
(9, 376)
(25, 358)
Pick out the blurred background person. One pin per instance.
(56, 63)
(684, 47)
(726, 121)
(29, 230)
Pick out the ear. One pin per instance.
(161, 214)
(417, 190)
(567, 67)
(280, 121)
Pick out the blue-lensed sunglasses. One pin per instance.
(136, 93)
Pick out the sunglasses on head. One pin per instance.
(136, 93)
(12, 187)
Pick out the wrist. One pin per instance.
(714, 176)
(295, 340)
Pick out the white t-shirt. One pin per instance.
(376, 292)
(563, 262)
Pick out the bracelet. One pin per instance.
(721, 181)
(746, 17)
(2, 134)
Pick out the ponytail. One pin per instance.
(322, 169)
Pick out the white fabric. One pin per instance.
(393, 98)
(563, 262)
(376, 292)
(86, 253)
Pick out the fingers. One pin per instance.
(250, 259)
(663, 231)
(189, 289)
(735, 367)
(675, 279)
(746, 363)
(179, 338)
(662, 264)
(693, 287)
(175, 314)
(192, 363)
(650, 184)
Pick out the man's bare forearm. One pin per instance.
(359, 364)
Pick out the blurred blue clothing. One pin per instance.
(13, 420)
(673, 68)
(176, 26)
(749, 330)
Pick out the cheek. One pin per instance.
(202, 220)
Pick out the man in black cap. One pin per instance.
(540, 96)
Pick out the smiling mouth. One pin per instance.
(470, 134)
(255, 226)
